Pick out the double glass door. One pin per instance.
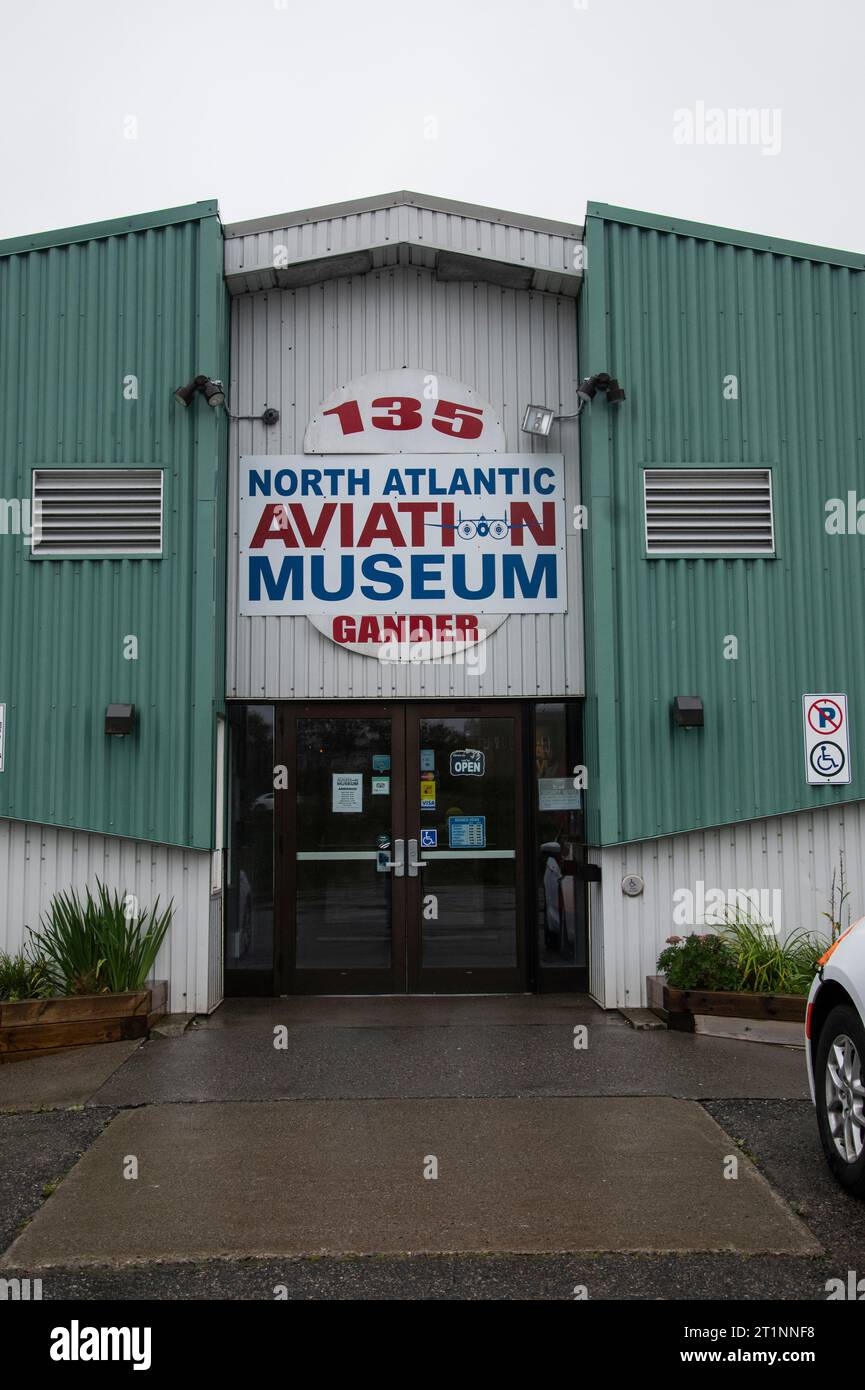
(400, 864)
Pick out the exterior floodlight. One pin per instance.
(602, 381)
(119, 720)
(214, 393)
(183, 395)
(688, 711)
(538, 419)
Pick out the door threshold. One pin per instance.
(486, 994)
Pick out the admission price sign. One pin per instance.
(827, 740)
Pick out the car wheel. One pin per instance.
(839, 1080)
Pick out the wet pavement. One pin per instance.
(338, 1048)
(531, 1153)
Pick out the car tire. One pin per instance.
(839, 1086)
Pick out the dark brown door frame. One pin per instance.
(463, 981)
(287, 978)
(407, 893)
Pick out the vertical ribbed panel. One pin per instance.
(76, 320)
(37, 861)
(791, 856)
(671, 315)
(290, 349)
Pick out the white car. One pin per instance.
(835, 1049)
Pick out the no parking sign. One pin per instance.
(827, 743)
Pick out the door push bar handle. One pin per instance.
(398, 861)
(413, 862)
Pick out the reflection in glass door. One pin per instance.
(399, 837)
(343, 889)
(465, 876)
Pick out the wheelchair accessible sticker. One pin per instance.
(827, 743)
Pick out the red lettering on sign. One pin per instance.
(417, 511)
(402, 414)
(349, 416)
(523, 519)
(380, 525)
(461, 420)
(399, 627)
(272, 526)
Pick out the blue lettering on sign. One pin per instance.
(370, 569)
(514, 570)
(261, 571)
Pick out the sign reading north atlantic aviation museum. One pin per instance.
(422, 534)
(404, 521)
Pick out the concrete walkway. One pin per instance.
(416, 1047)
(348, 1177)
(251, 1151)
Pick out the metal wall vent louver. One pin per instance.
(97, 511)
(708, 511)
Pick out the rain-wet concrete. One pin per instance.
(302, 1177)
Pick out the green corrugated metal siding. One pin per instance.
(672, 311)
(144, 297)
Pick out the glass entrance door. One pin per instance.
(399, 860)
(342, 904)
(464, 835)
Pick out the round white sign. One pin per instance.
(405, 410)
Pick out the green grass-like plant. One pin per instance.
(23, 978)
(99, 944)
(764, 963)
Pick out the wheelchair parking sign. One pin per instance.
(827, 742)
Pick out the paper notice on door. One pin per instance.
(347, 791)
(558, 794)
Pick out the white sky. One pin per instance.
(272, 105)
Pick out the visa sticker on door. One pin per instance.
(467, 832)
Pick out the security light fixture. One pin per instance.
(539, 419)
(183, 395)
(119, 720)
(688, 711)
(602, 381)
(214, 393)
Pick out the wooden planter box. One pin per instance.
(39, 1027)
(679, 1006)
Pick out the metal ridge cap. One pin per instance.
(403, 198)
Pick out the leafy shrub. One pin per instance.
(98, 946)
(698, 962)
(745, 954)
(764, 963)
(22, 978)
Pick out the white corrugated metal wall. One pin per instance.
(792, 855)
(37, 861)
(291, 348)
